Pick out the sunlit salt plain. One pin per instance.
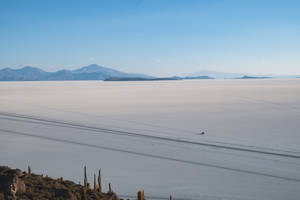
(146, 135)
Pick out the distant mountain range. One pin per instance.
(225, 75)
(97, 72)
(90, 72)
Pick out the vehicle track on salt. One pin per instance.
(50, 122)
(5, 131)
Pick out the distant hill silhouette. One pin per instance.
(90, 72)
(216, 74)
(25, 74)
(198, 77)
(155, 79)
(142, 79)
(254, 77)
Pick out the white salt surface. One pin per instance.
(58, 127)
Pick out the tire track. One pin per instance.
(132, 134)
(149, 155)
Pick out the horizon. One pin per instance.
(191, 74)
(150, 37)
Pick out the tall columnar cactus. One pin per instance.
(99, 182)
(85, 178)
(95, 184)
(29, 171)
(140, 195)
(109, 187)
(84, 196)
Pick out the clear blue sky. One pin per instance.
(157, 37)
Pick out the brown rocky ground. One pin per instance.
(19, 185)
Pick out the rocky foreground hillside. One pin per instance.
(20, 185)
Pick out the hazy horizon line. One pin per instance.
(170, 74)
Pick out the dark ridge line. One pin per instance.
(149, 155)
(118, 132)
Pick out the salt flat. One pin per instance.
(251, 148)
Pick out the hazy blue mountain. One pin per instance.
(97, 72)
(25, 74)
(218, 75)
(95, 68)
(90, 72)
(198, 77)
(61, 75)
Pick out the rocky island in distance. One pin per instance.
(155, 79)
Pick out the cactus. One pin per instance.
(140, 195)
(84, 196)
(29, 171)
(95, 184)
(99, 182)
(60, 180)
(85, 178)
(110, 189)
